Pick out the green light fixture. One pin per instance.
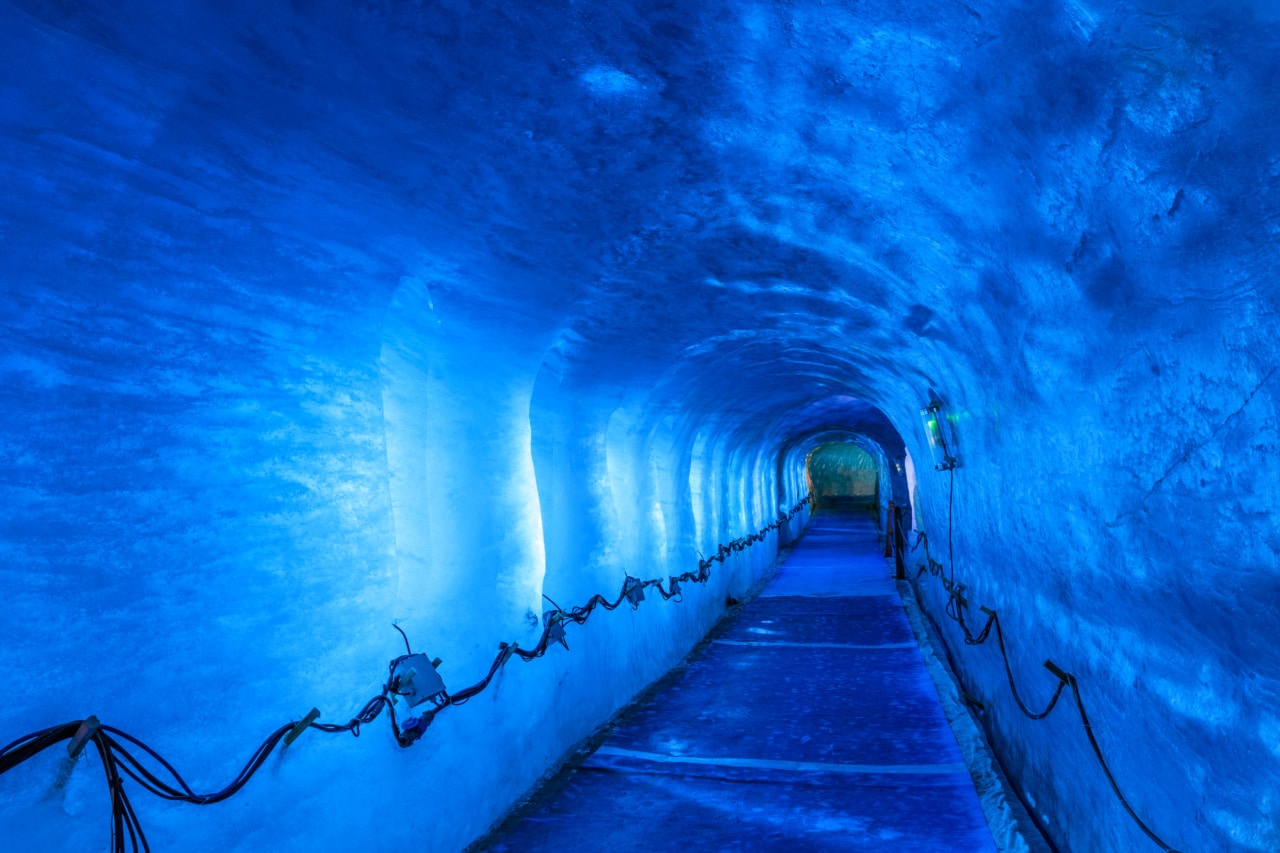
(941, 439)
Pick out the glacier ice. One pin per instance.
(321, 315)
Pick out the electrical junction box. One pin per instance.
(415, 680)
(634, 590)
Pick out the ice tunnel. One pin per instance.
(321, 317)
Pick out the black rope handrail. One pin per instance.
(958, 603)
(164, 781)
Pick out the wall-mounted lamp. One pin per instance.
(941, 439)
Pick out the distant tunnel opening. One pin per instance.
(843, 475)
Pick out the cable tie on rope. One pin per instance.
(1063, 676)
(88, 728)
(301, 726)
(505, 651)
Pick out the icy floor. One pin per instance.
(808, 723)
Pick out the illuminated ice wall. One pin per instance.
(323, 314)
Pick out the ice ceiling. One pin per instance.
(322, 314)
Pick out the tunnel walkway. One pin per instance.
(808, 723)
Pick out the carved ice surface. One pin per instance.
(318, 315)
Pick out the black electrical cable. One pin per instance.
(118, 761)
(1013, 688)
(1106, 770)
(956, 602)
(407, 650)
(981, 637)
(951, 502)
(581, 613)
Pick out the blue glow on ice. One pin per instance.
(319, 315)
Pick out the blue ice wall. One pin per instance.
(322, 314)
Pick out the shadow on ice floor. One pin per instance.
(809, 723)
